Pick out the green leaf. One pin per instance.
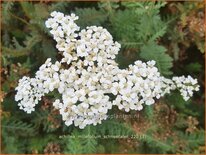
(59, 6)
(160, 145)
(150, 27)
(149, 112)
(73, 143)
(28, 9)
(179, 103)
(13, 52)
(152, 51)
(89, 143)
(16, 44)
(39, 142)
(90, 17)
(41, 10)
(41, 120)
(81, 141)
(6, 7)
(125, 25)
(49, 49)
(143, 7)
(192, 141)
(17, 126)
(31, 41)
(196, 139)
(193, 67)
(11, 145)
(113, 127)
(201, 46)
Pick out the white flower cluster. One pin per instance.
(30, 90)
(140, 84)
(92, 83)
(28, 93)
(186, 86)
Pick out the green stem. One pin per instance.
(18, 18)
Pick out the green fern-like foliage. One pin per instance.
(158, 146)
(152, 51)
(73, 145)
(41, 121)
(17, 127)
(87, 140)
(92, 16)
(125, 30)
(81, 141)
(140, 25)
(59, 6)
(6, 6)
(194, 140)
(90, 143)
(13, 131)
(114, 127)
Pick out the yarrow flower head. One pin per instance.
(93, 76)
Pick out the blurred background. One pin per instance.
(170, 33)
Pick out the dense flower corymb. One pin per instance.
(93, 76)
